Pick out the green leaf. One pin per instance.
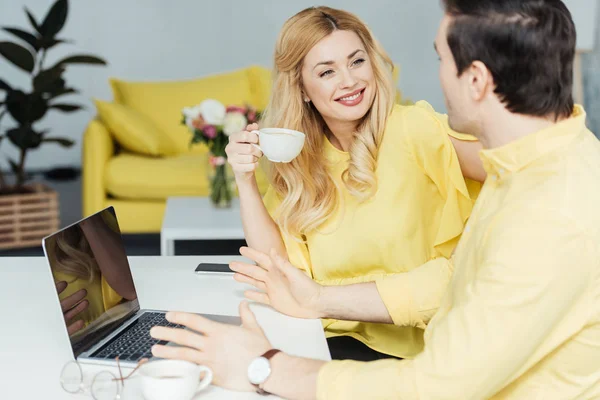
(62, 92)
(33, 22)
(32, 40)
(66, 107)
(26, 108)
(4, 86)
(82, 59)
(24, 138)
(14, 166)
(49, 43)
(61, 141)
(17, 55)
(55, 19)
(49, 80)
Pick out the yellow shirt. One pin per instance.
(417, 214)
(521, 316)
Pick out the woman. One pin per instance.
(377, 189)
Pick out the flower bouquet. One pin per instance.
(212, 123)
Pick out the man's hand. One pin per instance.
(284, 287)
(72, 306)
(226, 349)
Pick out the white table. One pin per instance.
(195, 218)
(34, 345)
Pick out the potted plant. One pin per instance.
(27, 107)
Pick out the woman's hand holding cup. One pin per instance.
(241, 153)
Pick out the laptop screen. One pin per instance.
(92, 278)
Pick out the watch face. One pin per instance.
(259, 370)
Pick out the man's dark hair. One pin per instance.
(528, 46)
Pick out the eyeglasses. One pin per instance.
(104, 385)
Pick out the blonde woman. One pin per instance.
(378, 188)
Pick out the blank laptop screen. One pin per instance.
(92, 277)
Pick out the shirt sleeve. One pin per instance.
(428, 140)
(412, 298)
(297, 250)
(531, 278)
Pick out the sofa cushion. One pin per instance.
(134, 131)
(162, 102)
(132, 176)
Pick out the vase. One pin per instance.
(221, 182)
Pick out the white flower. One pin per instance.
(212, 111)
(234, 122)
(192, 113)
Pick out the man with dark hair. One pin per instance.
(516, 313)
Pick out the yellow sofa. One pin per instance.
(136, 153)
(138, 184)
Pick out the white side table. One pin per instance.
(195, 218)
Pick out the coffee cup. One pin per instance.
(279, 144)
(173, 379)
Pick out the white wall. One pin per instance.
(181, 39)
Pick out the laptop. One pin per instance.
(97, 294)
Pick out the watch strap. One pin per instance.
(268, 355)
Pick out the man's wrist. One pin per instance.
(293, 377)
(320, 304)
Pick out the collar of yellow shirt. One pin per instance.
(520, 153)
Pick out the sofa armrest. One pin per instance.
(97, 149)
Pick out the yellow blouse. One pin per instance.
(417, 214)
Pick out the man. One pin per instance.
(516, 312)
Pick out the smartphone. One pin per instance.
(209, 267)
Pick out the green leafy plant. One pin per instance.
(47, 86)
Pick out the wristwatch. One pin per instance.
(259, 370)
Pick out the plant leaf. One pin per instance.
(82, 59)
(4, 86)
(26, 108)
(49, 43)
(61, 141)
(48, 79)
(14, 166)
(24, 137)
(32, 40)
(62, 92)
(17, 55)
(55, 19)
(33, 22)
(66, 107)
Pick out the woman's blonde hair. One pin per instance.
(73, 255)
(305, 185)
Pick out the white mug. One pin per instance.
(279, 144)
(173, 379)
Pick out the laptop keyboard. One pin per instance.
(135, 342)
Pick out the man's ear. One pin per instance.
(480, 80)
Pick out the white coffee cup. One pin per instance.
(279, 144)
(173, 379)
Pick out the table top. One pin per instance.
(35, 346)
(197, 218)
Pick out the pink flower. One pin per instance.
(210, 131)
(251, 117)
(236, 109)
(198, 123)
(216, 161)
